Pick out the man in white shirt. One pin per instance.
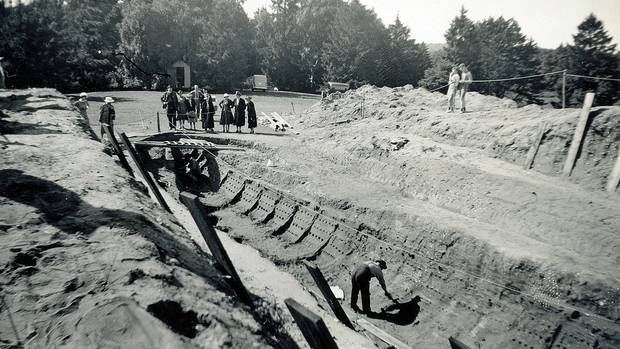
(465, 81)
(360, 282)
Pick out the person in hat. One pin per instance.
(183, 107)
(226, 117)
(82, 105)
(239, 111)
(252, 122)
(464, 82)
(360, 282)
(208, 110)
(170, 103)
(107, 114)
(2, 75)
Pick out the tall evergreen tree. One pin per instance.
(463, 42)
(593, 54)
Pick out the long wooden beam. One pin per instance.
(117, 148)
(186, 145)
(381, 334)
(145, 174)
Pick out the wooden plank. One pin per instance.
(456, 344)
(215, 245)
(531, 155)
(333, 303)
(614, 177)
(145, 174)
(311, 325)
(578, 136)
(382, 335)
(185, 145)
(117, 148)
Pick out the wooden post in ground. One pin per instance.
(531, 155)
(320, 281)
(564, 89)
(158, 125)
(145, 174)
(215, 244)
(578, 136)
(117, 148)
(311, 325)
(614, 177)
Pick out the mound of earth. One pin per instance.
(88, 260)
(496, 126)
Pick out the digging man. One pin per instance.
(360, 282)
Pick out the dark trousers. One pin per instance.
(172, 121)
(358, 286)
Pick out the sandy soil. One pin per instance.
(500, 256)
(89, 260)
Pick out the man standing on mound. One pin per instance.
(360, 281)
(464, 82)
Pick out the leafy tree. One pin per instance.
(505, 52)
(36, 44)
(355, 48)
(437, 74)
(406, 61)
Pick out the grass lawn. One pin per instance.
(136, 111)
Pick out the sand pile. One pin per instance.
(88, 260)
(494, 125)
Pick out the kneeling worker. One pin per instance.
(360, 281)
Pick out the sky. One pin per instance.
(548, 22)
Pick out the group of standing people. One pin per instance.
(199, 104)
(233, 112)
(458, 84)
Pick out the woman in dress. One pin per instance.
(239, 111)
(208, 110)
(252, 122)
(183, 108)
(226, 117)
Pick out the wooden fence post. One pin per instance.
(145, 174)
(531, 155)
(614, 177)
(564, 89)
(575, 145)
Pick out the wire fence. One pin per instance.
(564, 73)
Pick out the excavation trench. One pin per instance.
(468, 288)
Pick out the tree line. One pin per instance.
(298, 44)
